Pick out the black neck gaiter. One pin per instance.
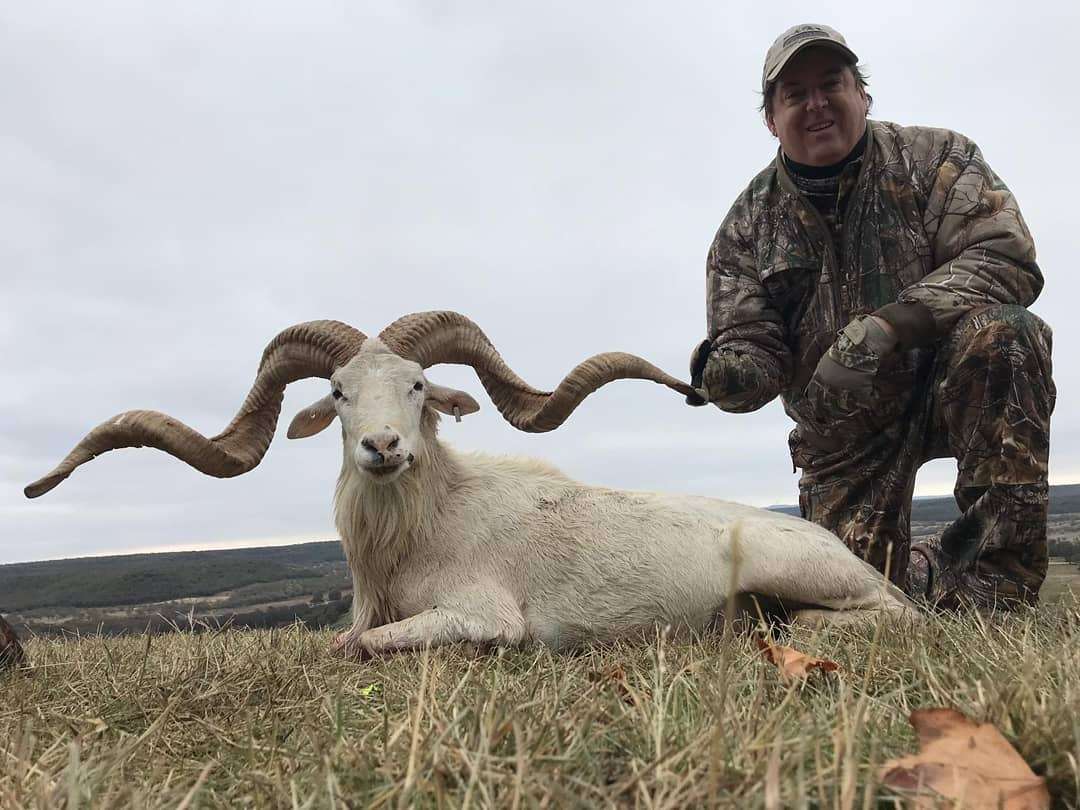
(801, 170)
(821, 184)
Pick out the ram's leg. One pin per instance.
(866, 597)
(439, 626)
(803, 565)
(860, 617)
(347, 643)
(867, 600)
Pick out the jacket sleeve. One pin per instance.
(746, 331)
(983, 253)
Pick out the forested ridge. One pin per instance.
(140, 578)
(1064, 499)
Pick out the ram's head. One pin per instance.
(373, 415)
(386, 406)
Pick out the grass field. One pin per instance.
(1062, 582)
(269, 719)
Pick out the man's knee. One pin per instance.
(1001, 324)
(996, 395)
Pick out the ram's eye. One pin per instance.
(336, 393)
(418, 387)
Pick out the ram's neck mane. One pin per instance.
(381, 523)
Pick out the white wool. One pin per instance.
(466, 546)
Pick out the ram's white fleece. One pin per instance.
(466, 546)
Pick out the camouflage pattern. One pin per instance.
(983, 397)
(11, 652)
(927, 222)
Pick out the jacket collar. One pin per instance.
(788, 184)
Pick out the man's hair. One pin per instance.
(857, 71)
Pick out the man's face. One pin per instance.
(818, 109)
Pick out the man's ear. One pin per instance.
(446, 400)
(313, 419)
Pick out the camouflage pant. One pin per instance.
(983, 397)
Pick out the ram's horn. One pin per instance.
(313, 349)
(430, 338)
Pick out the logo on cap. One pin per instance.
(807, 32)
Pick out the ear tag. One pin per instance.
(457, 414)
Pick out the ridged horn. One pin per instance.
(312, 349)
(430, 338)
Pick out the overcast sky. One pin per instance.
(183, 180)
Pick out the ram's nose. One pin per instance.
(384, 446)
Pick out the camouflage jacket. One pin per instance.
(928, 227)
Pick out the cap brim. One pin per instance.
(774, 74)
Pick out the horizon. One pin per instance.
(272, 542)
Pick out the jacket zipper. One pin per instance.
(833, 262)
(837, 262)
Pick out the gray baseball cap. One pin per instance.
(794, 40)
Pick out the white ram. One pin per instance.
(446, 546)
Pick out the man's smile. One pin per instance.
(824, 125)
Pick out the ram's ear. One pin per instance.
(449, 400)
(313, 419)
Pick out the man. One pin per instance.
(877, 278)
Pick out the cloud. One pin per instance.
(182, 182)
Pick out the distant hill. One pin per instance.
(1064, 499)
(132, 579)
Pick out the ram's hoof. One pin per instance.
(347, 645)
(11, 652)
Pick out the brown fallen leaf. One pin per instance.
(11, 652)
(616, 676)
(792, 663)
(964, 761)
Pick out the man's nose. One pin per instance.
(382, 443)
(816, 100)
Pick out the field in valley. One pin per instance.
(256, 587)
(248, 718)
(1062, 582)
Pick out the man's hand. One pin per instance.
(698, 360)
(713, 373)
(853, 360)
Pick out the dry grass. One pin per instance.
(268, 719)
